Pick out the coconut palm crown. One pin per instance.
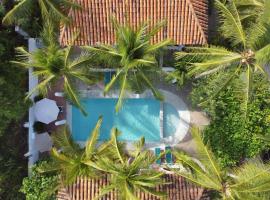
(68, 158)
(131, 172)
(250, 181)
(53, 9)
(52, 64)
(133, 56)
(248, 53)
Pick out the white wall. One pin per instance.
(33, 81)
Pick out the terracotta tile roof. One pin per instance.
(87, 189)
(187, 20)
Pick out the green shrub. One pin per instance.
(230, 136)
(40, 186)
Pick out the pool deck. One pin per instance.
(60, 101)
(197, 117)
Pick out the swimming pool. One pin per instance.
(137, 118)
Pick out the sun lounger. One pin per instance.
(107, 77)
(169, 158)
(157, 153)
(61, 122)
(59, 94)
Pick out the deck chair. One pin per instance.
(59, 94)
(157, 153)
(168, 156)
(61, 122)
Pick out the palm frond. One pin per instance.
(60, 156)
(159, 45)
(122, 92)
(41, 87)
(245, 90)
(262, 56)
(252, 178)
(157, 27)
(156, 93)
(205, 155)
(18, 11)
(92, 141)
(72, 95)
(221, 82)
(113, 81)
(62, 139)
(206, 171)
(230, 22)
(203, 60)
(114, 134)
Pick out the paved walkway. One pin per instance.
(197, 117)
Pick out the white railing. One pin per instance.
(33, 81)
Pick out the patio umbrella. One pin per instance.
(46, 110)
(43, 142)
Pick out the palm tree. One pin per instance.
(249, 181)
(134, 57)
(131, 172)
(249, 9)
(248, 54)
(68, 158)
(54, 9)
(52, 63)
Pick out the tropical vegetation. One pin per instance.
(234, 92)
(53, 64)
(251, 180)
(131, 172)
(40, 186)
(133, 57)
(245, 56)
(231, 138)
(53, 9)
(68, 158)
(13, 140)
(128, 173)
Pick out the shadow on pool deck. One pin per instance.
(197, 117)
(60, 101)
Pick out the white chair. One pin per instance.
(26, 125)
(28, 154)
(61, 122)
(59, 94)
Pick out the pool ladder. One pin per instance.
(161, 113)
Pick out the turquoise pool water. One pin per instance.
(137, 118)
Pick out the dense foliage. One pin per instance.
(13, 140)
(11, 104)
(230, 137)
(250, 181)
(39, 186)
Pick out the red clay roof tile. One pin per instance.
(87, 189)
(187, 20)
